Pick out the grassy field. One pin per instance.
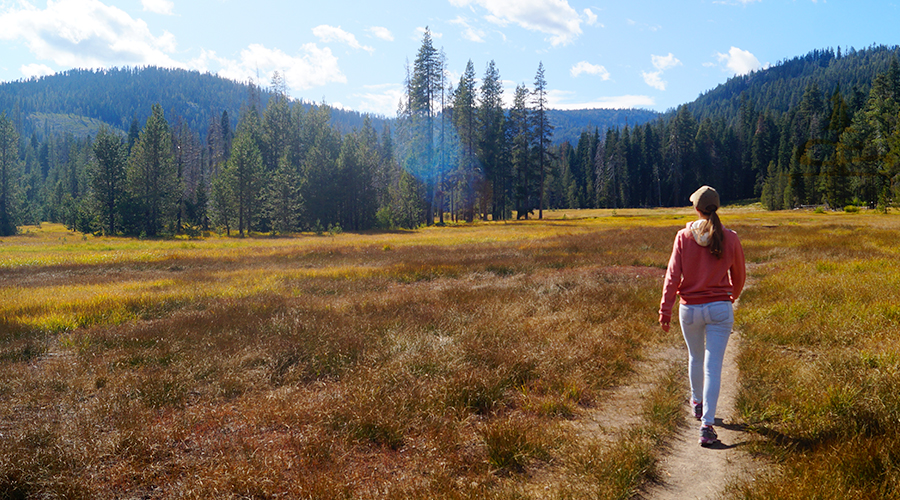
(820, 367)
(448, 362)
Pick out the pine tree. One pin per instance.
(284, 204)
(223, 200)
(424, 88)
(490, 119)
(276, 125)
(107, 174)
(467, 173)
(543, 131)
(152, 175)
(244, 170)
(10, 168)
(834, 181)
(521, 137)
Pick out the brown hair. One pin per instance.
(714, 230)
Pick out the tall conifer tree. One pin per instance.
(152, 175)
(107, 174)
(491, 139)
(9, 176)
(543, 131)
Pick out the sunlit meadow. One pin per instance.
(448, 362)
(820, 366)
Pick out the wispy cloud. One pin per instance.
(31, 70)
(585, 67)
(380, 99)
(654, 79)
(165, 7)
(326, 34)
(555, 18)
(661, 63)
(312, 67)
(468, 31)
(643, 26)
(558, 99)
(382, 33)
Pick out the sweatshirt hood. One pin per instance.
(700, 236)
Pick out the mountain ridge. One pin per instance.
(117, 96)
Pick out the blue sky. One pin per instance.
(649, 54)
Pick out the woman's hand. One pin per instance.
(664, 323)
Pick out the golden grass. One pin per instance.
(820, 370)
(438, 363)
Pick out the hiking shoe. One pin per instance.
(708, 435)
(698, 409)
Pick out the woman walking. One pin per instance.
(707, 271)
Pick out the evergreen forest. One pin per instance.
(99, 152)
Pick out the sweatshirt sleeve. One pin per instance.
(738, 270)
(670, 284)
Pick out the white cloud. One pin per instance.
(158, 6)
(313, 67)
(585, 67)
(382, 33)
(469, 33)
(654, 79)
(326, 33)
(739, 61)
(591, 17)
(661, 63)
(553, 17)
(87, 34)
(32, 70)
(558, 99)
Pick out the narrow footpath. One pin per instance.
(689, 471)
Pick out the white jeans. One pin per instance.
(706, 329)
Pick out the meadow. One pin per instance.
(446, 362)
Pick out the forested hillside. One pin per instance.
(158, 152)
(79, 101)
(781, 88)
(814, 130)
(120, 96)
(568, 125)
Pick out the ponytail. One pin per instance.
(715, 232)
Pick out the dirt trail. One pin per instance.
(689, 471)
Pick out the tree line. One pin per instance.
(455, 153)
(822, 129)
(282, 168)
(285, 167)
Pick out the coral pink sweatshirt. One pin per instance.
(697, 276)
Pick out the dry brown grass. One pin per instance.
(820, 370)
(439, 363)
(431, 364)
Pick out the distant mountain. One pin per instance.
(568, 125)
(79, 101)
(781, 87)
(118, 96)
(67, 101)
